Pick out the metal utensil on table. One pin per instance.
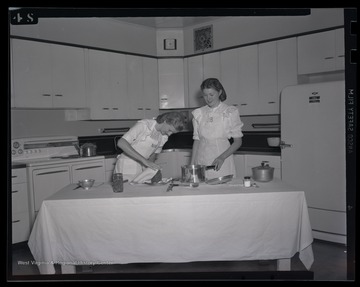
(219, 180)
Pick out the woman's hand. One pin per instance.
(152, 165)
(218, 162)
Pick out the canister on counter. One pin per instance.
(247, 181)
(117, 182)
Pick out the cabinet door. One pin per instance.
(240, 165)
(229, 66)
(248, 78)
(20, 227)
(195, 78)
(286, 63)
(167, 161)
(19, 198)
(211, 65)
(68, 77)
(340, 49)
(171, 83)
(107, 85)
(32, 74)
(47, 181)
(268, 93)
(134, 71)
(89, 170)
(316, 52)
(150, 87)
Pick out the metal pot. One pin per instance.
(263, 173)
(87, 149)
(194, 172)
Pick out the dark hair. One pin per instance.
(213, 83)
(172, 118)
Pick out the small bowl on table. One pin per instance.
(86, 183)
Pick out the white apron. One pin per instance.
(213, 142)
(131, 168)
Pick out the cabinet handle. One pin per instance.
(14, 191)
(58, 95)
(140, 109)
(243, 104)
(88, 167)
(14, 176)
(15, 221)
(46, 95)
(115, 108)
(341, 56)
(328, 58)
(148, 109)
(271, 102)
(51, 172)
(105, 108)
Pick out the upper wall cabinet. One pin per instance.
(122, 86)
(321, 52)
(47, 75)
(200, 68)
(171, 83)
(142, 87)
(107, 85)
(253, 76)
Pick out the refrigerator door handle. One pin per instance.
(284, 145)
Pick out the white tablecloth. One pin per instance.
(147, 224)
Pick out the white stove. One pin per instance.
(51, 164)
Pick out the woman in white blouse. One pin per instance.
(214, 124)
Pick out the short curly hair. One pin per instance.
(175, 119)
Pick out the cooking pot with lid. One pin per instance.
(263, 173)
(194, 172)
(87, 149)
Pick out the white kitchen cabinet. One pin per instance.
(268, 102)
(286, 64)
(142, 87)
(195, 77)
(109, 168)
(211, 65)
(321, 52)
(19, 206)
(107, 85)
(167, 162)
(171, 162)
(47, 75)
(239, 160)
(171, 83)
(200, 68)
(255, 160)
(248, 80)
(94, 170)
(150, 100)
(229, 69)
(240, 78)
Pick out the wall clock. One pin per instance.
(169, 44)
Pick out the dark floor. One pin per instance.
(329, 264)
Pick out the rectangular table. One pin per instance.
(226, 222)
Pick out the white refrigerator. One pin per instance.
(313, 153)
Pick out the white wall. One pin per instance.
(93, 32)
(233, 31)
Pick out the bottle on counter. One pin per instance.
(117, 182)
